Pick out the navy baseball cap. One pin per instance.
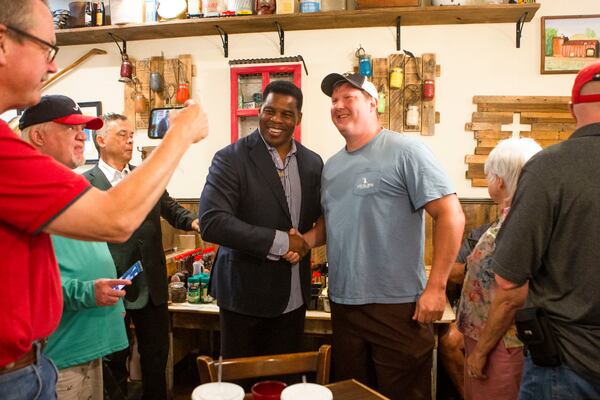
(60, 109)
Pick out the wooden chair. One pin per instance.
(261, 366)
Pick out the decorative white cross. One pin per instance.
(516, 127)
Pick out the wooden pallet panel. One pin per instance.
(547, 117)
(396, 101)
(428, 107)
(412, 74)
(381, 81)
(168, 69)
(129, 106)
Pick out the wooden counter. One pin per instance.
(187, 318)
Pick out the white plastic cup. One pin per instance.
(304, 391)
(218, 391)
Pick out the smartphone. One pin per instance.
(131, 273)
(158, 125)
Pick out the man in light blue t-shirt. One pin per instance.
(373, 193)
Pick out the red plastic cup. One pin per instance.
(267, 390)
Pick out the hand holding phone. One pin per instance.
(131, 273)
(158, 125)
(106, 292)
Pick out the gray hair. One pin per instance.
(25, 131)
(17, 14)
(507, 160)
(107, 119)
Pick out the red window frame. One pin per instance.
(265, 71)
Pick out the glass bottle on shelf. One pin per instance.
(100, 14)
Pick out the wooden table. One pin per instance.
(347, 390)
(353, 390)
(185, 316)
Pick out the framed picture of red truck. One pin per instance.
(569, 43)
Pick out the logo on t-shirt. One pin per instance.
(365, 184)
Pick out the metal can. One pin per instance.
(428, 90)
(193, 294)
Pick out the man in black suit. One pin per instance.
(257, 190)
(146, 299)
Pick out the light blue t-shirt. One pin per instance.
(373, 202)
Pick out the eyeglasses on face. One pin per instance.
(52, 49)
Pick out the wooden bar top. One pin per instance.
(213, 308)
(347, 390)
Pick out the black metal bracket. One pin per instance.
(224, 39)
(520, 24)
(398, 26)
(123, 47)
(281, 34)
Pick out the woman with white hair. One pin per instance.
(505, 362)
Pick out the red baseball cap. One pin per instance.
(588, 74)
(60, 109)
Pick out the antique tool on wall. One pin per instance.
(183, 91)
(71, 66)
(170, 92)
(126, 72)
(140, 101)
(365, 66)
(155, 83)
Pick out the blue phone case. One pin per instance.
(131, 273)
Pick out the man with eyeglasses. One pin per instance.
(39, 196)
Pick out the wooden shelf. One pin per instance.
(432, 15)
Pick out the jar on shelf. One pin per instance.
(428, 90)
(264, 7)
(412, 116)
(177, 292)
(397, 78)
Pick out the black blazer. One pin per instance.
(145, 243)
(241, 206)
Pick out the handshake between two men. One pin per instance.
(298, 247)
(300, 244)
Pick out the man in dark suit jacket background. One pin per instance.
(257, 189)
(146, 299)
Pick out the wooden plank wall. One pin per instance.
(549, 118)
(477, 212)
(168, 69)
(398, 100)
(170, 235)
(396, 113)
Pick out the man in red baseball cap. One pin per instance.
(586, 90)
(547, 254)
(56, 125)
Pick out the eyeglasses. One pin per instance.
(52, 49)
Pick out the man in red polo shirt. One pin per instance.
(39, 196)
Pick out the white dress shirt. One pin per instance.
(113, 176)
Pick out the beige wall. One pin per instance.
(475, 60)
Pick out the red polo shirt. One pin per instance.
(34, 189)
